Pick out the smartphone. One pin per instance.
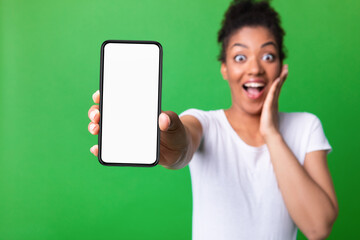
(130, 103)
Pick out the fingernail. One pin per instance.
(92, 127)
(163, 116)
(93, 96)
(167, 118)
(92, 114)
(92, 149)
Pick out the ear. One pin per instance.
(223, 70)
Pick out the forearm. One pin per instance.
(309, 206)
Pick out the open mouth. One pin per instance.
(254, 89)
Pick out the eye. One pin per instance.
(240, 58)
(268, 57)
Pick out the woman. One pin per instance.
(256, 173)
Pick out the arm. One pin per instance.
(307, 190)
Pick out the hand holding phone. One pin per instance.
(173, 135)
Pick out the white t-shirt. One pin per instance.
(235, 191)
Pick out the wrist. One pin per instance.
(274, 136)
(179, 163)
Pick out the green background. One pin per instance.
(51, 187)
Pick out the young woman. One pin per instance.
(256, 173)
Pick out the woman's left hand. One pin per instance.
(269, 115)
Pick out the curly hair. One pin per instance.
(249, 13)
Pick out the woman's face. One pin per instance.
(252, 64)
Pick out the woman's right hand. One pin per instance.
(174, 139)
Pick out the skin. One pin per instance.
(252, 53)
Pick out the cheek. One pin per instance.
(274, 72)
(235, 73)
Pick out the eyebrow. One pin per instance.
(268, 43)
(263, 45)
(240, 45)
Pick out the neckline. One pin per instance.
(238, 138)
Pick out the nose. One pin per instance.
(255, 67)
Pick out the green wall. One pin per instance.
(51, 187)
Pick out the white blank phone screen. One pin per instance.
(130, 103)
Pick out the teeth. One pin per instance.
(254, 84)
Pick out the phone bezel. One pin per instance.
(101, 102)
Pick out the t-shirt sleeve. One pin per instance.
(202, 116)
(317, 139)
